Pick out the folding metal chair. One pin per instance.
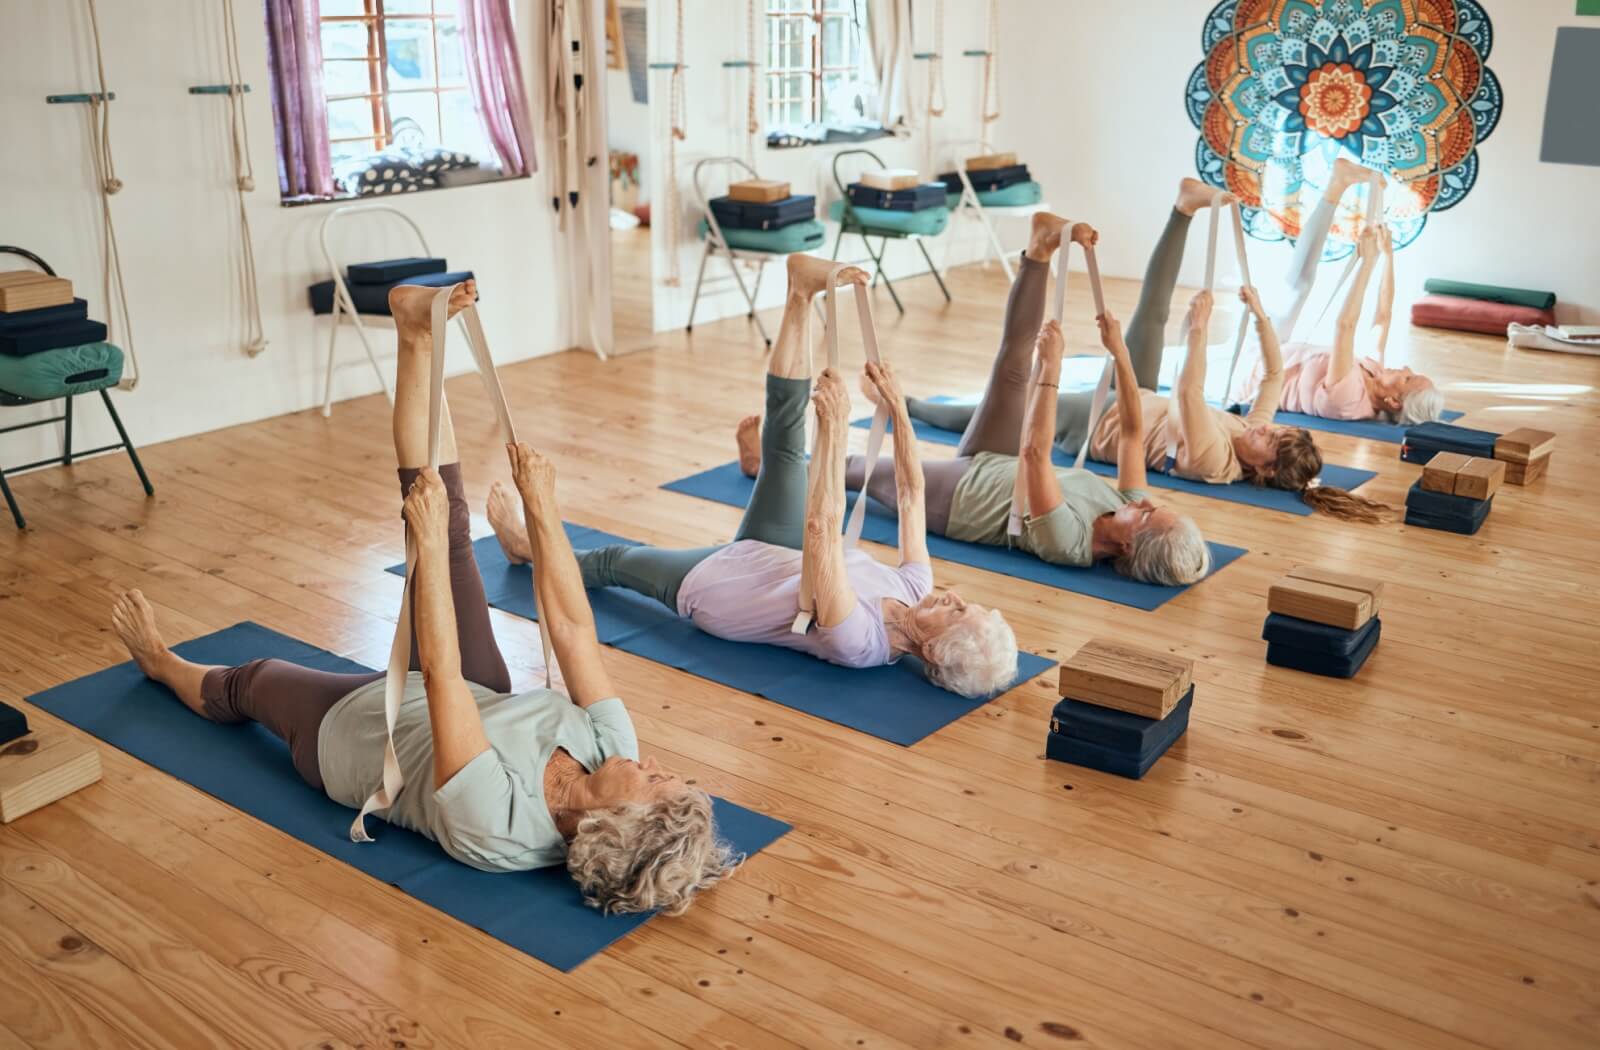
(850, 221)
(970, 207)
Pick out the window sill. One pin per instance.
(777, 140)
(351, 198)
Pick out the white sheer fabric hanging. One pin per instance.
(889, 27)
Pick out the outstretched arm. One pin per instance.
(1344, 344)
(909, 486)
(1203, 438)
(1039, 423)
(564, 613)
(1130, 409)
(458, 735)
(822, 550)
(1269, 395)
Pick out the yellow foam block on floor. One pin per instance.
(1126, 678)
(1325, 596)
(42, 767)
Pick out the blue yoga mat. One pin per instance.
(538, 912)
(1238, 492)
(1371, 429)
(726, 484)
(895, 703)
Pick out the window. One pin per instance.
(394, 72)
(818, 67)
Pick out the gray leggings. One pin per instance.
(995, 423)
(776, 513)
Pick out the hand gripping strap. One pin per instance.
(400, 651)
(880, 425)
(1175, 402)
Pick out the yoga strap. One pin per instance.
(880, 425)
(1175, 402)
(1244, 316)
(1019, 491)
(400, 651)
(1374, 214)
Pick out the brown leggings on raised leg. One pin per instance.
(291, 700)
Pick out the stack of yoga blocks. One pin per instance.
(370, 283)
(38, 313)
(1526, 454)
(1322, 622)
(39, 767)
(764, 215)
(1121, 708)
(997, 179)
(896, 189)
(1455, 492)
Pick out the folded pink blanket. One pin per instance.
(1474, 315)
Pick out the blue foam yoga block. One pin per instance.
(374, 298)
(1119, 730)
(51, 337)
(764, 215)
(1329, 664)
(914, 198)
(13, 724)
(1462, 526)
(1131, 764)
(44, 316)
(1315, 637)
(1423, 441)
(389, 271)
(1444, 511)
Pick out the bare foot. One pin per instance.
(749, 438)
(412, 304)
(1084, 235)
(808, 275)
(1346, 173)
(1045, 235)
(505, 517)
(1194, 195)
(135, 623)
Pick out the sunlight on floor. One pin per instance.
(1534, 390)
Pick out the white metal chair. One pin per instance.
(344, 303)
(969, 207)
(716, 243)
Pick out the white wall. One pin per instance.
(176, 221)
(1104, 128)
(716, 127)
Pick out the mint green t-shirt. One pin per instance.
(981, 507)
(492, 814)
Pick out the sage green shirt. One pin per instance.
(981, 507)
(492, 814)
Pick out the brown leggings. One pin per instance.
(291, 700)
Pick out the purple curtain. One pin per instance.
(495, 75)
(299, 108)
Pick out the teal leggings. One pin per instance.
(776, 513)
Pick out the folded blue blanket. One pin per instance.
(1425, 440)
(1120, 730)
(1332, 665)
(27, 341)
(1062, 748)
(1293, 632)
(43, 317)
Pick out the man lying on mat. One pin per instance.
(502, 781)
(1075, 517)
(1212, 446)
(1330, 381)
(867, 613)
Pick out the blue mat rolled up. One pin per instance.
(1238, 492)
(727, 485)
(1371, 429)
(896, 703)
(537, 912)
(1332, 665)
(27, 341)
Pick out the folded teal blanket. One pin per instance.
(1492, 293)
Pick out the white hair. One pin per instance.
(1173, 557)
(648, 857)
(974, 657)
(1423, 405)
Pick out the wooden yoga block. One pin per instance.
(1126, 678)
(1524, 445)
(1349, 581)
(26, 290)
(890, 178)
(1480, 478)
(1439, 473)
(42, 767)
(990, 161)
(1322, 601)
(759, 191)
(1527, 473)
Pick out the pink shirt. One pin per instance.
(1305, 390)
(749, 591)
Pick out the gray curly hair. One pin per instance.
(1423, 405)
(975, 657)
(1173, 557)
(650, 857)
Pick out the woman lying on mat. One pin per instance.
(1075, 517)
(1330, 381)
(1213, 446)
(503, 781)
(867, 613)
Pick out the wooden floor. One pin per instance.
(1410, 859)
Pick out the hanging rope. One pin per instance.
(677, 117)
(991, 73)
(752, 126)
(105, 172)
(934, 109)
(244, 182)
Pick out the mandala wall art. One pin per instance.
(1289, 86)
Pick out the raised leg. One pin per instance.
(1147, 328)
(1302, 276)
(655, 572)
